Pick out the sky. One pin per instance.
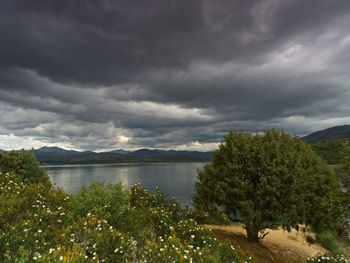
(169, 74)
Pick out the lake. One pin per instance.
(174, 179)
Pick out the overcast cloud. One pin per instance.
(108, 74)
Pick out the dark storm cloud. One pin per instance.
(103, 74)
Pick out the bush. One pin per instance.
(100, 240)
(33, 218)
(112, 199)
(141, 198)
(25, 165)
(212, 215)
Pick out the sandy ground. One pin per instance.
(277, 246)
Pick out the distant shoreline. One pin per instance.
(112, 164)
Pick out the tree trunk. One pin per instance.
(252, 233)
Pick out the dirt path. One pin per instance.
(277, 246)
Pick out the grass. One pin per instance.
(328, 241)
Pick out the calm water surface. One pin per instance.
(175, 179)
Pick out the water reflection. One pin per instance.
(175, 179)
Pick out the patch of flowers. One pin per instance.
(33, 217)
(101, 240)
(328, 259)
(174, 249)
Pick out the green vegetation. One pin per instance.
(330, 150)
(343, 170)
(328, 240)
(344, 166)
(24, 164)
(337, 151)
(39, 223)
(263, 181)
(269, 180)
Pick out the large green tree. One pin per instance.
(268, 180)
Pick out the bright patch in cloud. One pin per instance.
(123, 139)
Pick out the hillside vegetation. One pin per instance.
(332, 133)
(329, 143)
(330, 150)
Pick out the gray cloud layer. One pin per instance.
(107, 74)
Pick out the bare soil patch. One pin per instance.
(278, 246)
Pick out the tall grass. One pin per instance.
(328, 241)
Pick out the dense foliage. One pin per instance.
(343, 230)
(330, 150)
(39, 223)
(270, 179)
(344, 167)
(24, 164)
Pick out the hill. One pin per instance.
(328, 143)
(337, 132)
(56, 150)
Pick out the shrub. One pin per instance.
(33, 218)
(100, 240)
(25, 165)
(141, 198)
(212, 215)
(112, 199)
(327, 240)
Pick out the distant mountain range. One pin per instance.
(337, 132)
(56, 150)
(56, 155)
(139, 153)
